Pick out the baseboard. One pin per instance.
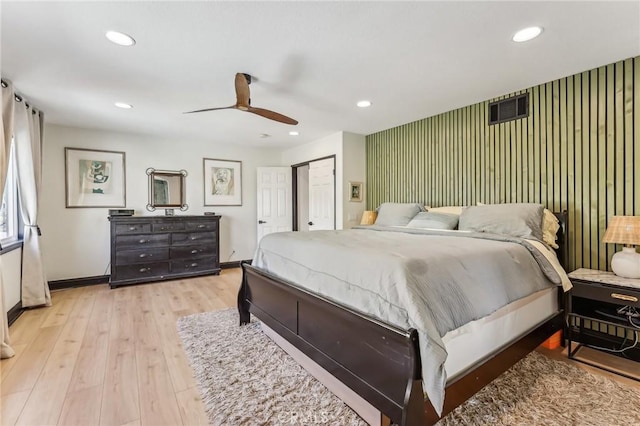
(14, 313)
(104, 279)
(236, 264)
(78, 282)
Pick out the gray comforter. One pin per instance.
(433, 281)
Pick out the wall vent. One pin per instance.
(509, 109)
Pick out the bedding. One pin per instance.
(430, 220)
(517, 219)
(397, 214)
(433, 281)
(550, 226)
(457, 210)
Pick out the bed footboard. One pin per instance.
(379, 362)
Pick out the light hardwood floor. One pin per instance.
(109, 357)
(113, 357)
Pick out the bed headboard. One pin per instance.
(563, 238)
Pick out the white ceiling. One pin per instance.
(311, 60)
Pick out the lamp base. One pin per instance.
(626, 263)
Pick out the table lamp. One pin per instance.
(369, 217)
(624, 230)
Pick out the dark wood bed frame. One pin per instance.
(378, 361)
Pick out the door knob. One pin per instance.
(261, 222)
(310, 223)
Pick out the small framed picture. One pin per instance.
(355, 191)
(222, 182)
(94, 178)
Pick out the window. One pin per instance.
(9, 207)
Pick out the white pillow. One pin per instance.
(448, 209)
(550, 226)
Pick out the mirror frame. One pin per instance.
(151, 172)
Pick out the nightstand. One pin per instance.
(596, 317)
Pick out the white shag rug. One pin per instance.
(246, 379)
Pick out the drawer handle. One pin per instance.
(143, 255)
(132, 228)
(145, 269)
(194, 251)
(202, 226)
(624, 297)
(163, 229)
(193, 265)
(142, 241)
(194, 238)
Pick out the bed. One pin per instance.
(381, 362)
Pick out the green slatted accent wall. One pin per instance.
(578, 150)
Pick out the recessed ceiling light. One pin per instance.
(364, 104)
(294, 133)
(123, 105)
(527, 34)
(120, 38)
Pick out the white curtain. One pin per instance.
(6, 124)
(28, 139)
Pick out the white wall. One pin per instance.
(76, 240)
(324, 147)
(303, 198)
(349, 149)
(354, 163)
(10, 268)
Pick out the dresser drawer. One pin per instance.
(194, 265)
(142, 271)
(148, 254)
(156, 248)
(192, 251)
(201, 226)
(602, 292)
(168, 227)
(132, 228)
(134, 241)
(192, 238)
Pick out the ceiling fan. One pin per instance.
(243, 102)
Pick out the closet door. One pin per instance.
(322, 194)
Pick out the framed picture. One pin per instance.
(94, 178)
(355, 191)
(222, 182)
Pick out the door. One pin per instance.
(274, 200)
(322, 194)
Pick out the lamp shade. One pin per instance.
(369, 217)
(623, 230)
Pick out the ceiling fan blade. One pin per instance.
(242, 90)
(210, 109)
(271, 115)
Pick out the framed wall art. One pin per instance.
(94, 178)
(355, 191)
(222, 182)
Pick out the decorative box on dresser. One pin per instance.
(602, 315)
(155, 248)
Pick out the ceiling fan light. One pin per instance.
(119, 38)
(364, 104)
(123, 105)
(527, 34)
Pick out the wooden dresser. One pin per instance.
(154, 248)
